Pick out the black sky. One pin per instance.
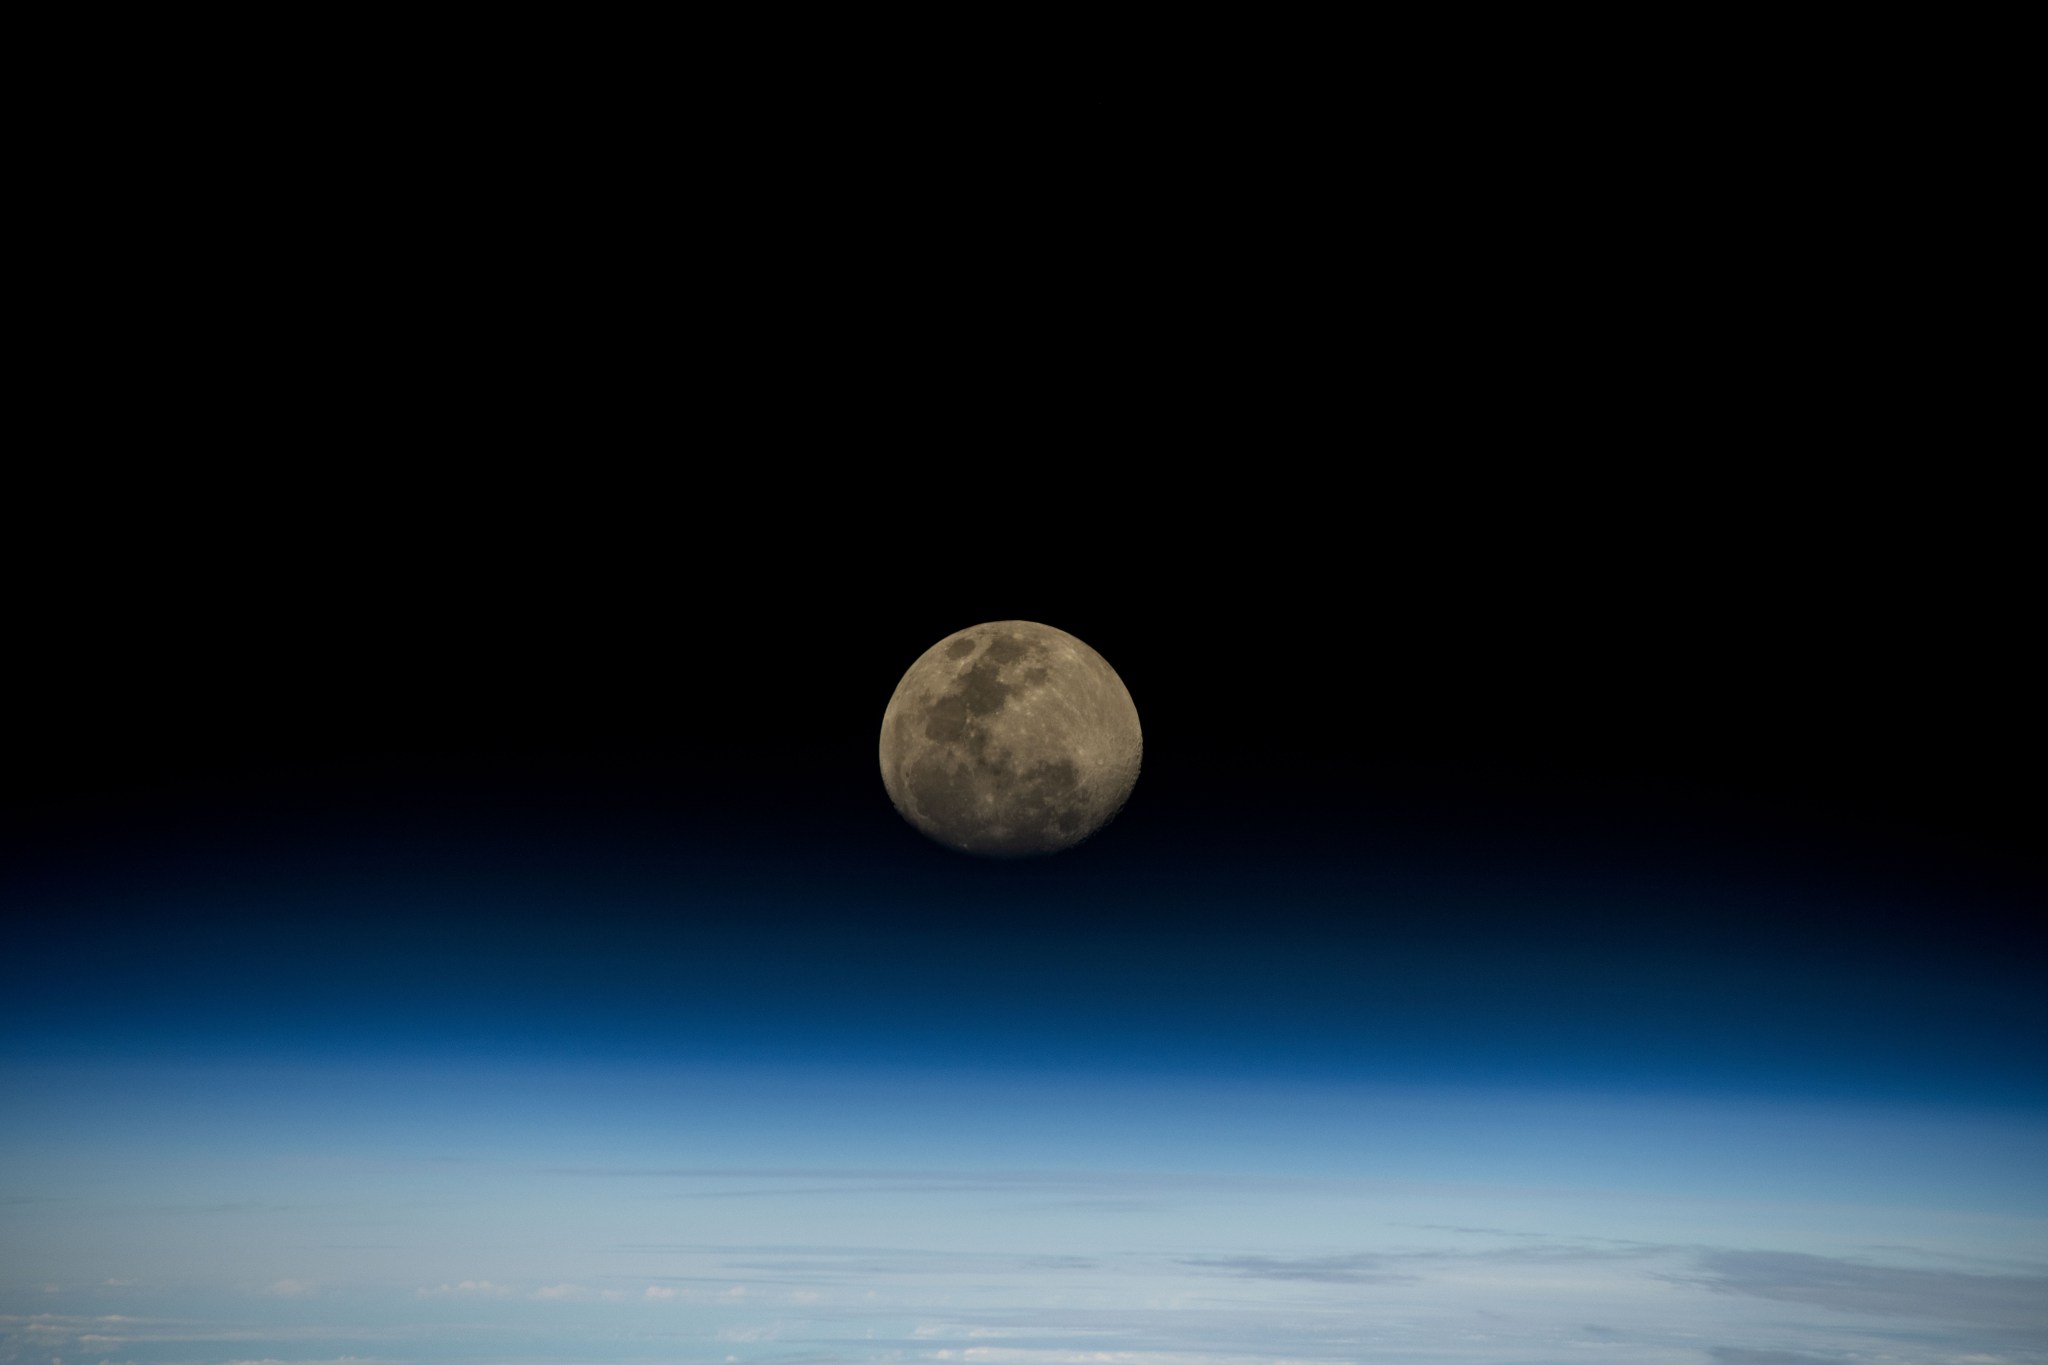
(1510, 638)
(1505, 587)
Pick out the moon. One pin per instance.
(1010, 739)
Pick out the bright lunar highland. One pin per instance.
(1010, 739)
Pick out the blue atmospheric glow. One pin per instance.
(711, 1106)
(712, 1208)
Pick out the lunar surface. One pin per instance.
(1010, 739)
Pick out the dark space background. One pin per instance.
(1597, 649)
(1530, 775)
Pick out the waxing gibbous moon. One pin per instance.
(1010, 739)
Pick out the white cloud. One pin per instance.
(1018, 1355)
(660, 1291)
(474, 1289)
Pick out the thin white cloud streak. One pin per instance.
(1486, 1298)
(1007, 1355)
(473, 1289)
